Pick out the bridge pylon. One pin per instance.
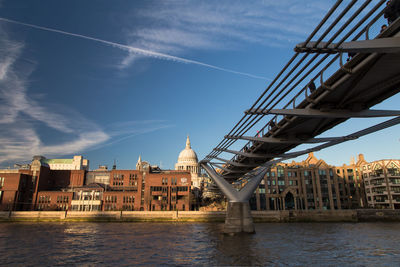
(238, 215)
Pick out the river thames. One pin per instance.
(125, 244)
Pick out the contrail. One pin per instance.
(136, 50)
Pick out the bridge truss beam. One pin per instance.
(315, 113)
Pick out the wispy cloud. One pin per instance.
(22, 117)
(121, 131)
(137, 51)
(181, 26)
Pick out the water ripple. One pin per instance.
(184, 244)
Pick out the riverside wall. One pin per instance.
(367, 215)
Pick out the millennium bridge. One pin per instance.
(339, 72)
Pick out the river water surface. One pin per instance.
(127, 244)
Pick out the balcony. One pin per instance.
(379, 184)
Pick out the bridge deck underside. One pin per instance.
(374, 79)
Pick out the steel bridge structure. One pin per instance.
(315, 91)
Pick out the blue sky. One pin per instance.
(192, 68)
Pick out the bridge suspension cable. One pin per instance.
(342, 24)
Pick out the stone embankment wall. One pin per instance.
(204, 216)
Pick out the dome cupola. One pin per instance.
(187, 155)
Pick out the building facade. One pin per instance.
(187, 161)
(382, 183)
(144, 189)
(76, 163)
(311, 185)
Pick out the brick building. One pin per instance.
(146, 188)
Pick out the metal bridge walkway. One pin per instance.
(290, 114)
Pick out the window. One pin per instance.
(132, 179)
(165, 181)
(182, 188)
(129, 199)
(281, 172)
(1, 182)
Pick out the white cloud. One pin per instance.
(179, 26)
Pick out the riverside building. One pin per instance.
(146, 188)
(382, 183)
(312, 185)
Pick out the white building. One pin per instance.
(76, 163)
(187, 161)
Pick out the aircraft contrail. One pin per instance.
(136, 50)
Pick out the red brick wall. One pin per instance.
(67, 178)
(125, 179)
(9, 190)
(170, 198)
(54, 200)
(125, 200)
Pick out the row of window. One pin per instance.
(129, 199)
(118, 177)
(282, 182)
(158, 189)
(62, 199)
(113, 207)
(118, 182)
(44, 199)
(174, 181)
(112, 199)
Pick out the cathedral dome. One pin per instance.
(187, 155)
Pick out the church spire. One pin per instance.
(188, 143)
(115, 165)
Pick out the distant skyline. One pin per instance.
(128, 78)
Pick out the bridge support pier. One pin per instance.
(238, 218)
